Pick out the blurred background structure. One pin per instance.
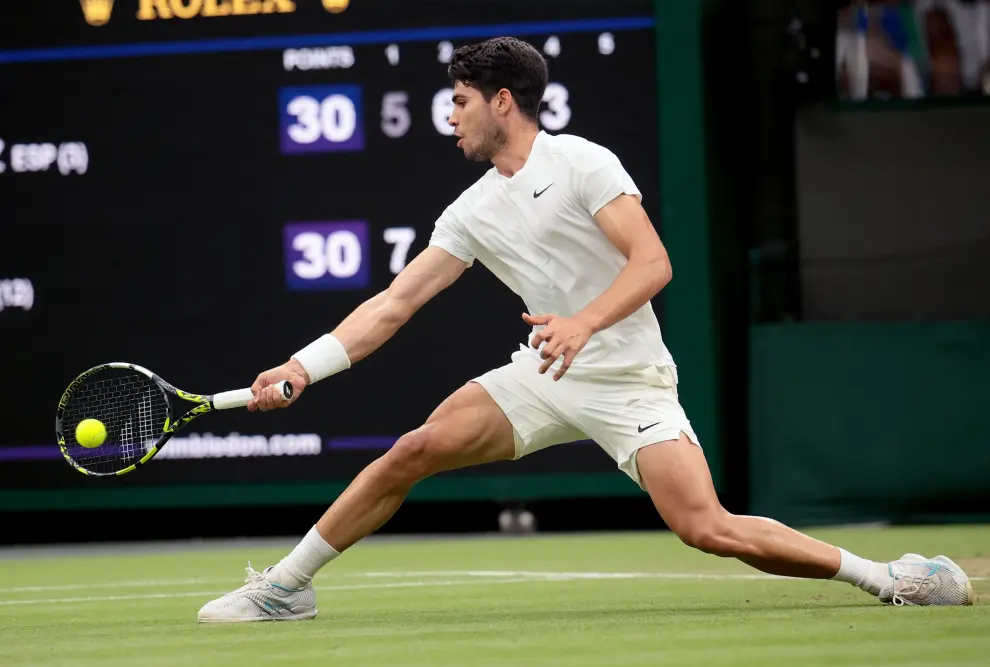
(204, 186)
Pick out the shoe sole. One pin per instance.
(302, 616)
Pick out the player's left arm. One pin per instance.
(627, 226)
(647, 271)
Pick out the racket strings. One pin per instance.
(133, 409)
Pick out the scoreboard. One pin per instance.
(202, 187)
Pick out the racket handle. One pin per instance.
(239, 398)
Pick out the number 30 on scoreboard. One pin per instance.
(318, 119)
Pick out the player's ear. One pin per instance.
(503, 100)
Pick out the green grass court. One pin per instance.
(625, 599)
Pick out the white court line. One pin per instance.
(133, 584)
(477, 576)
(407, 574)
(191, 594)
(536, 574)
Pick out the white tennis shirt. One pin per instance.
(537, 233)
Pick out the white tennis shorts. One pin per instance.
(622, 413)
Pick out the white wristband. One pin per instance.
(322, 358)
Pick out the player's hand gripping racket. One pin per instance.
(136, 413)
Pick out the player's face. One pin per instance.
(480, 136)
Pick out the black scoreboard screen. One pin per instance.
(202, 187)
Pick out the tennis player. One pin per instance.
(559, 221)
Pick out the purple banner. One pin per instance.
(327, 255)
(30, 453)
(370, 442)
(320, 119)
(362, 442)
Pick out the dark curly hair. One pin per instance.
(503, 62)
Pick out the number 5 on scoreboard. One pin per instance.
(395, 115)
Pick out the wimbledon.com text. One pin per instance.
(235, 445)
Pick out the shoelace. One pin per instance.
(899, 601)
(253, 576)
(901, 589)
(270, 602)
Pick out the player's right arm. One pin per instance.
(365, 329)
(377, 319)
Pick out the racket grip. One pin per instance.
(239, 398)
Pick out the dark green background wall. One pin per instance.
(868, 422)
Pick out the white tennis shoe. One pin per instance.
(261, 600)
(927, 581)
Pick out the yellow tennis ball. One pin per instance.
(91, 433)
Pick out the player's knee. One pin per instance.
(416, 455)
(713, 535)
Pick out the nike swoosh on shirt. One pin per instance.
(537, 194)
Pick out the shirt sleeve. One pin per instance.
(602, 178)
(450, 233)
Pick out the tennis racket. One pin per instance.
(139, 410)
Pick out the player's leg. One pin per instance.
(676, 475)
(504, 414)
(639, 421)
(468, 428)
(498, 416)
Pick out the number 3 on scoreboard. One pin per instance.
(558, 113)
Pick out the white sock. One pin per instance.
(297, 569)
(868, 575)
